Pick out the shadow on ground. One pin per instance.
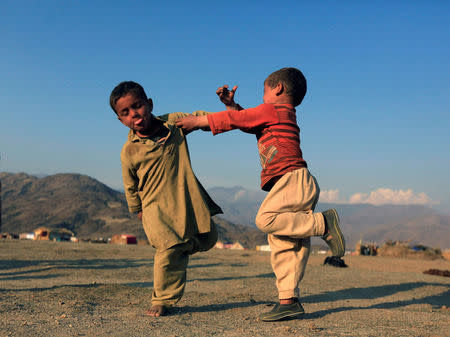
(378, 292)
(73, 264)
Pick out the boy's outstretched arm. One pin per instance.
(191, 123)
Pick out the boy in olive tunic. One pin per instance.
(161, 188)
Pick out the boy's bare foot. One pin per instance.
(156, 311)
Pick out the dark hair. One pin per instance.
(293, 81)
(123, 89)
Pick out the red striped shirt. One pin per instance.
(277, 132)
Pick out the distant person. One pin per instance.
(161, 188)
(287, 213)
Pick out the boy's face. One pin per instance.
(135, 113)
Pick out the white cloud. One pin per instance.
(330, 196)
(387, 196)
(380, 196)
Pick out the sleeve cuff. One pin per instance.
(212, 126)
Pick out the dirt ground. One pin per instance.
(82, 289)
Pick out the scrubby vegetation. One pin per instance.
(405, 249)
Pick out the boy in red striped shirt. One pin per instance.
(287, 213)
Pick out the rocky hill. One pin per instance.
(76, 202)
(84, 205)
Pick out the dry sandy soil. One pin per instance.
(66, 289)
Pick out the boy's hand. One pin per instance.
(139, 215)
(191, 123)
(227, 97)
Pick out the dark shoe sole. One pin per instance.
(279, 318)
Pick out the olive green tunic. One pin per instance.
(159, 181)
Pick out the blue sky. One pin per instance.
(374, 124)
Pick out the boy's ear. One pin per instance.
(279, 89)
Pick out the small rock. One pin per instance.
(288, 329)
(314, 327)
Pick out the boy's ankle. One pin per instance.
(285, 301)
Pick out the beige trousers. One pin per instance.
(169, 269)
(287, 216)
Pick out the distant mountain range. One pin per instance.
(85, 206)
(365, 222)
(92, 209)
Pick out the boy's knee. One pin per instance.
(264, 222)
(208, 240)
(211, 237)
(204, 241)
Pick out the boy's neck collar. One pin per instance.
(281, 100)
(157, 128)
(155, 125)
(281, 103)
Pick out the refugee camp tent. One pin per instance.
(124, 239)
(53, 234)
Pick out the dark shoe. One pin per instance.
(281, 311)
(333, 236)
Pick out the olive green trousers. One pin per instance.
(169, 268)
